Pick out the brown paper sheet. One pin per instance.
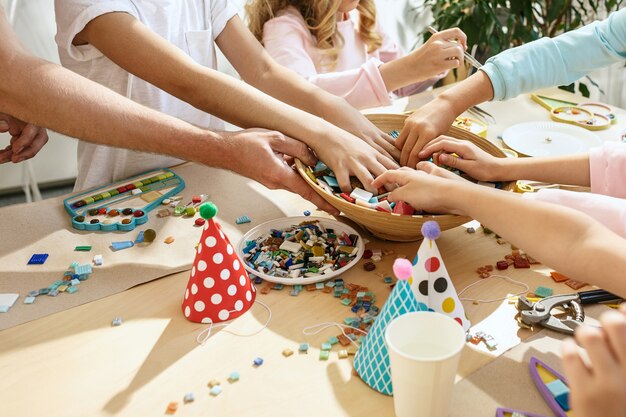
(506, 382)
(44, 227)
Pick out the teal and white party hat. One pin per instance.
(372, 359)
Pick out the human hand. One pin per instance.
(265, 156)
(442, 52)
(424, 125)
(598, 388)
(432, 169)
(26, 139)
(346, 117)
(429, 188)
(471, 159)
(346, 155)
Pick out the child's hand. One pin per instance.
(343, 115)
(26, 139)
(424, 125)
(346, 155)
(598, 388)
(265, 155)
(442, 52)
(430, 168)
(430, 191)
(471, 159)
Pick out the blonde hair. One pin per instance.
(321, 20)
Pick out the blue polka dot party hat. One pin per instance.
(372, 359)
(431, 282)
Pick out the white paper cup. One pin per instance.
(424, 351)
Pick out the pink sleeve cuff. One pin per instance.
(420, 86)
(607, 166)
(288, 41)
(609, 211)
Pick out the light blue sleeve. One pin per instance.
(562, 60)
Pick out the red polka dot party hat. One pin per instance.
(219, 288)
(431, 282)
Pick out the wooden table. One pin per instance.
(75, 364)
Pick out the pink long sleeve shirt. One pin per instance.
(607, 200)
(356, 76)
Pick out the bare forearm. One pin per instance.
(398, 73)
(562, 238)
(225, 97)
(45, 94)
(138, 50)
(288, 87)
(571, 169)
(469, 92)
(258, 69)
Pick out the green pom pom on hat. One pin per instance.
(208, 210)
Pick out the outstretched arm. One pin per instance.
(561, 238)
(436, 117)
(543, 63)
(478, 164)
(260, 70)
(46, 94)
(134, 47)
(287, 38)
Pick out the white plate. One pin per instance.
(549, 139)
(289, 221)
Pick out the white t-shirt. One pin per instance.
(191, 25)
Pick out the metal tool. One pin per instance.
(476, 111)
(541, 311)
(482, 115)
(467, 56)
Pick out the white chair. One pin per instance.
(29, 182)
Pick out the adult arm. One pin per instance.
(562, 238)
(134, 47)
(48, 95)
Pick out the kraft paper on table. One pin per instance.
(506, 381)
(45, 227)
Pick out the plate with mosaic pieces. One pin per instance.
(282, 223)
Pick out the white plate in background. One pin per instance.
(549, 139)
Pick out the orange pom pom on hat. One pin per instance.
(219, 287)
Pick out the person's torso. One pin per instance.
(185, 24)
(352, 53)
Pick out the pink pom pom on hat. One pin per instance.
(402, 268)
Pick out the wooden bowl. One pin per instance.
(391, 226)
